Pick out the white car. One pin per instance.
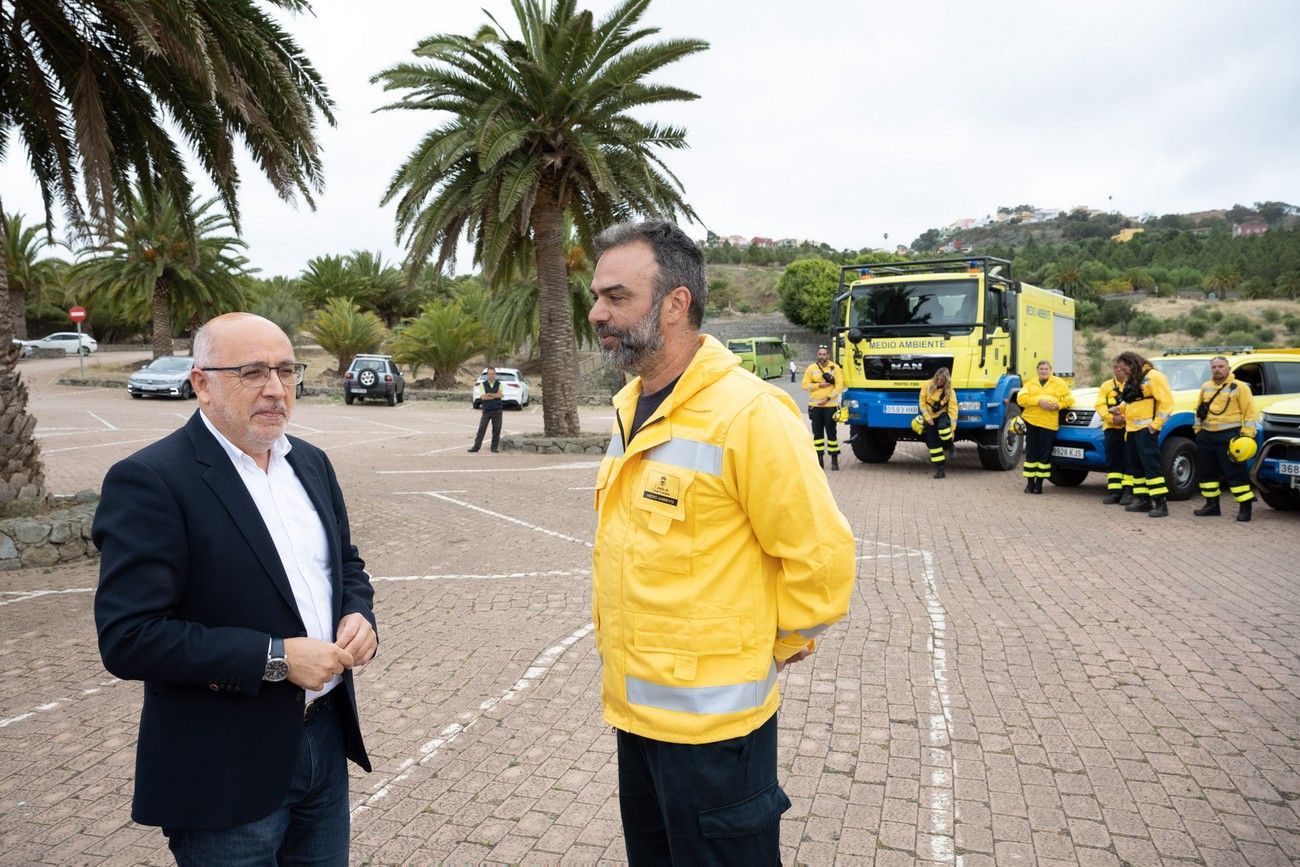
(65, 340)
(514, 388)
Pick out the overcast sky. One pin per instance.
(839, 121)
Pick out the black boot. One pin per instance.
(1243, 512)
(1209, 510)
(1038, 486)
(1141, 503)
(1112, 498)
(1158, 508)
(1029, 486)
(938, 472)
(821, 460)
(835, 462)
(1127, 497)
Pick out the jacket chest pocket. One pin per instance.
(663, 515)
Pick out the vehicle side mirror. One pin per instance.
(855, 334)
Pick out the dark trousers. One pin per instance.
(1038, 451)
(309, 827)
(1116, 479)
(494, 416)
(938, 436)
(1214, 466)
(715, 803)
(1142, 459)
(825, 437)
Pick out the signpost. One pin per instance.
(78, 315)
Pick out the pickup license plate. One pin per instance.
(358, 391)
(1067, 452)
(1288, 468)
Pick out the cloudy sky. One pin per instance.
(841, 121)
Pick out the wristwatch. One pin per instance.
(277, 666)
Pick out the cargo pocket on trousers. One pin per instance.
(756, 813)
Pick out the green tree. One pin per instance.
(1185, 277)
(1221, 279)
(1287, 285)
(806, 290)
(542, 126)
(444, 336)
(277, 299)
(153, 269)
(326, 278)
(344, 330)
(1197, 328)
(29, 272)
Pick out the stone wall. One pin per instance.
(592, 444)
(51, 537)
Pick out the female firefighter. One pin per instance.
(1042, 400)
(1110, 409)
(938, 403)
(1148, 403)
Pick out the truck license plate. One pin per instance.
(358, 391)
(1288, 468)
(1067, 452)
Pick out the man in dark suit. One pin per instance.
(229, 585)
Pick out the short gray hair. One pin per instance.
(680, 262)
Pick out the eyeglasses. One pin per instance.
(258, 375)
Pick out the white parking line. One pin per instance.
(586, 465)
(383, 439)
(24, 595)
(56, 703)
(108, 425)
(554, 573)
(98, 445)
(499, 516)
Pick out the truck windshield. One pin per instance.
(935, 304)
(1183, 372)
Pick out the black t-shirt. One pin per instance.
(646, 405)
(490, 388)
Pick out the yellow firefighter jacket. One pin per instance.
(1231, 407)
(1055, 389)
(719, 550)
(1107, 399)
(927, 399)
(822, 393)
(1153, 409)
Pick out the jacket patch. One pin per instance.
(663, 488)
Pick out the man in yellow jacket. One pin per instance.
(1225, 410)
(1042, 400)
(824, 382)
(1147, 405)
(1119, 485)
(720, 557)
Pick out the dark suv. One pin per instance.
(374, 376)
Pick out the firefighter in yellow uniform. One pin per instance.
(938, 404)
(1042, 400)
(1147, 405)
(824, 382)
(1226, 410)
(1119, 485)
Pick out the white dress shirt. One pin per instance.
(297, 531)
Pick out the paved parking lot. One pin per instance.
(1020, 680)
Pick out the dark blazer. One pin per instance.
(191, 590)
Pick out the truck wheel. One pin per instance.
(1001, 449)
(1178, 462)
(871, 447)
(1068, 477)
(1282, 499)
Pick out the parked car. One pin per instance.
(374, 376)
(1272, 374)
(514, 388)
(26, 347)
(168, 376)
(65, 340)
(1277, 467)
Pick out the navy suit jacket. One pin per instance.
(191, 590)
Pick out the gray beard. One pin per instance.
(637, 346)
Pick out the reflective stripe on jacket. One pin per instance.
(1108, 397)
(1233, 407)
(927, 398)
(822, 393)
(719, 549)
(1154, 407)
(1056, 389)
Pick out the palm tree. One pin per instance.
(101, 91)
(344, 330)
(444, 336)
(28, 273)
(153, 269)
(540, 129)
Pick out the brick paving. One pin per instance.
(1020, 680)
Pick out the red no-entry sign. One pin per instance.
(77, 314)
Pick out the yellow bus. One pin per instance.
(765, 357)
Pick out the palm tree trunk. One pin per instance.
(162, 318)
(555, 311)
(22, 477)
(17, 311)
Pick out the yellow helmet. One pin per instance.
(918, 425)
(842, 414)
(1242, 448)
(1017, 426)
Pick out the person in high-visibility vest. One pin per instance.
(938, 404)
(824, 381)
(1226, 410)
(1042, 400)
(1148, 403)
(1119, 485)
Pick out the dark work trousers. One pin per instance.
(715, 803)
(1038, 451)
(1116, 480)
(1142, 458)
(1214, 466)
(937, 436)
(494, 416)
(825, 437)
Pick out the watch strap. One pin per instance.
(277, 649)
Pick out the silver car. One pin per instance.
(168, 376)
